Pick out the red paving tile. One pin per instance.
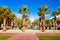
(28, 36)
(24, 36)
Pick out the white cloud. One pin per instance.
(19, 15)
(56, 16)
(32, 18)
(51, 17)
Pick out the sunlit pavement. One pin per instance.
(30, 31)
(24, 36)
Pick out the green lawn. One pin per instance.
(49, 37)
(40, 37)
(4, 37)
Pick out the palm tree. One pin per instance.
(4, 11)
(27, 22)
(11, 16)
(24, 11)
(55, 13)
(42, 11)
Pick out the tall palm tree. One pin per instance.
(4, 11)
(42, 11)
(11, 17)
(24, 11)
(55, 13)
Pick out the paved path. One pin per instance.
(24, 36)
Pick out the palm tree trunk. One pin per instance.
(23, 26)
(4, 24)
(11, 24)
(56, 26)
(43, 22)
(40, 26)
(55, 23)
(43, 27)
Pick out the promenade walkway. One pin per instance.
(24, 36)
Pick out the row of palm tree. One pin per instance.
(7, 14)
(41, 12)
(44, 10)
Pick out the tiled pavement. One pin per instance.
(28, 34)
(24, 36)
(37, 32)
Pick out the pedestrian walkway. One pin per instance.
(24, 36)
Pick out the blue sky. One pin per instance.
(33, 5)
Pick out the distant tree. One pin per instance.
(55, 13)
(58, 21)
(48, 22)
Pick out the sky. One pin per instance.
(33, 5)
